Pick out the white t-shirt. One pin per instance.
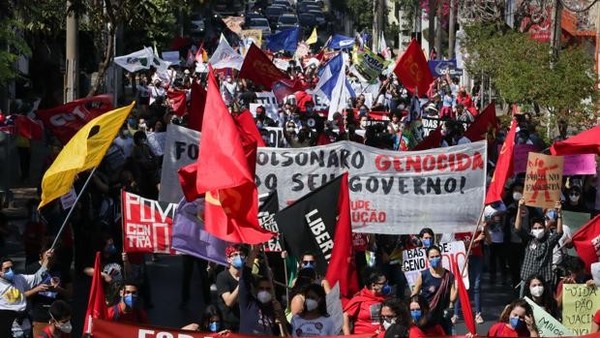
(321, 326)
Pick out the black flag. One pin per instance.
(268, 206)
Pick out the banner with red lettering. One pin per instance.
(391, 192)
(64, 121)
(147, 224)
(108, 329)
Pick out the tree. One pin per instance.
(13, 47)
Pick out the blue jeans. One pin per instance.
(475, 271)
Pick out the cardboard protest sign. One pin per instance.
(147, 224)
(547, 325)
(415, 260)
(543, 180)
(580, 302)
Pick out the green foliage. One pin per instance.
(10, 37)
(362, 12)
(523, 71)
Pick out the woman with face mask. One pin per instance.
(437, 285)
(314, 320)
(306, 277)
(541, 294)
(515, 321)
(60, 321)
(394, 319)
(211, 322)
(360, 309)
(421, 324)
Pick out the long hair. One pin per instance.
(320, 292)
(425, 310)
(505, 316)
(547, 300)
(399, 308)
(209, 312)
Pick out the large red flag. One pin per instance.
(413, 71)
(29, 128)
(96, 308)
(225, 173)
(504, 167)
(247, 127)
(463, 294)
(587, 142)
(176, 99)
(342, 267)
(585, 241)
(433, 140)
(485, 123)
(258, 68)
(196, 110)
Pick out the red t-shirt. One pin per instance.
(503, 330)
(431, 331)
(596, 317)
(46, 333)
(360, 241)
(476, 250)
(363, 310)
(116, 314)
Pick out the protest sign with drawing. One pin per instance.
(543, 180)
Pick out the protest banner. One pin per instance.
(580, 302)
(368, 66)
(147, 224)
(268, 206)
(255, 35)
(269, 102)
(573, 164)
(391, 192)
(543, 180)
(415, 260)
(111, 329)
(431, 123)
(442, 67)
(547, 325)
(181, 148)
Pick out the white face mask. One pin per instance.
(537, 233)
(517, 196)
(574, 198)
(311, 304)
(264, 296)
(537, 291)
(386, 324)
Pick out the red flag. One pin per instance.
(187, 179)
(413, 71)
(504, 167)
(66, 120)
(585, 240)
(247, 127)
(258, 68)
(433, 140)
(176, 99)
(485, 123)
(225, 173)
(463, 294)
(200, 53)
(342, 267)
(97, 303)
(196, 110)
(587, 142)
(28, 128)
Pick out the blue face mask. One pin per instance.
(435, 262)
(416, 315)
(130, 300)
(9, 275)
(237, 262)
(386, 289)
(111, 249)
(515, 322)
(214, 326)
(426, 242)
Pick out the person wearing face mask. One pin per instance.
(438, 287)
(362, 310)
(574, 201)
(394, 319)
(576, 274)
(306, 277)
(260, 312)
(421, 324)
(228, 287)
(495, 227)
(314, 320)
(515, 321)
(540, 243)
(541, 294)
(211, 323)
(127, 310)
(60, 321)
(13, 286)
(426, 238)
(514, 243)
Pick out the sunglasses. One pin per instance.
(308, 262)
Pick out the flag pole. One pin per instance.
(282, 328)
(462, 271)
(62, 227)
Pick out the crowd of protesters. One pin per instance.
(525, 246)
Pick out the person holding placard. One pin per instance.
(515, 321)
(541, 293)
(539, 248)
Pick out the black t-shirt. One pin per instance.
(231, 315)
(40, 303)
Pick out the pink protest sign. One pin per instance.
(520, 157)
(584, 164)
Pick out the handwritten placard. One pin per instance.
(543, 180)
(580, 302)
(547, 325)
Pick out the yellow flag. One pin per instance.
(313, 37)
(84, 151)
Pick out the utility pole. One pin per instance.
(377, 22)
(556, 32)
(72, 55)
(431, 29)
(451, 29)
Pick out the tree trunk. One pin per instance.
(108, 54)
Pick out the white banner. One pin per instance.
(181, 148)
(391, 192)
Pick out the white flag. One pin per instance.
(225, 56)
(142, 59)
